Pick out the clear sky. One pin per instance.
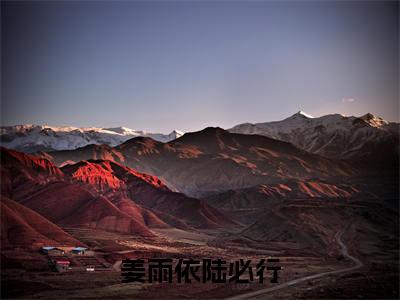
(159, 66)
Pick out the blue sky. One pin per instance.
(164, 65)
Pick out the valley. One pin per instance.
(299, 264)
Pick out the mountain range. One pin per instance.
(212, 160)
(132, 185)
(300, 148)
(32, 138)
(97, 194)
(334, 136)
(228, 190)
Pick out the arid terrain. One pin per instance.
(333, 224)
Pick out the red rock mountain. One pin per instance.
(108, 175)
(101, 194)
(213, 160)
(23, 227)
(71, 205)
(120, 183)
(22, 174)
(261, 195)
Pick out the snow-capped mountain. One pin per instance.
(32, 138)
(334, 135)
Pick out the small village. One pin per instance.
(74, 259)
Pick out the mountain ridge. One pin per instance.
(214, 160)
(334, 135)
(32, 138)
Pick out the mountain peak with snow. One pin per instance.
(176, 134)
(123, 130)
(31, 138)
(299, 116)
(333, 135)
(374, 120)
(303, 114)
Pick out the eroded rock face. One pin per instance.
(214, 160)
(101, 194)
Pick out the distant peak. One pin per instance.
(301, 114)
(304, 114)
(373, 120)
(121, 130)
(206, 132)
(177, 132)
(368, 116)
(212, 129)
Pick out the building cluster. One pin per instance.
(58, 256)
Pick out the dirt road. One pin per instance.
(358, 264)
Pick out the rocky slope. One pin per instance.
(102, 195)
(334, 136)
(213, 160)
(23, 227)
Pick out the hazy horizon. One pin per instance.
(160, 66)
(167, 132)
